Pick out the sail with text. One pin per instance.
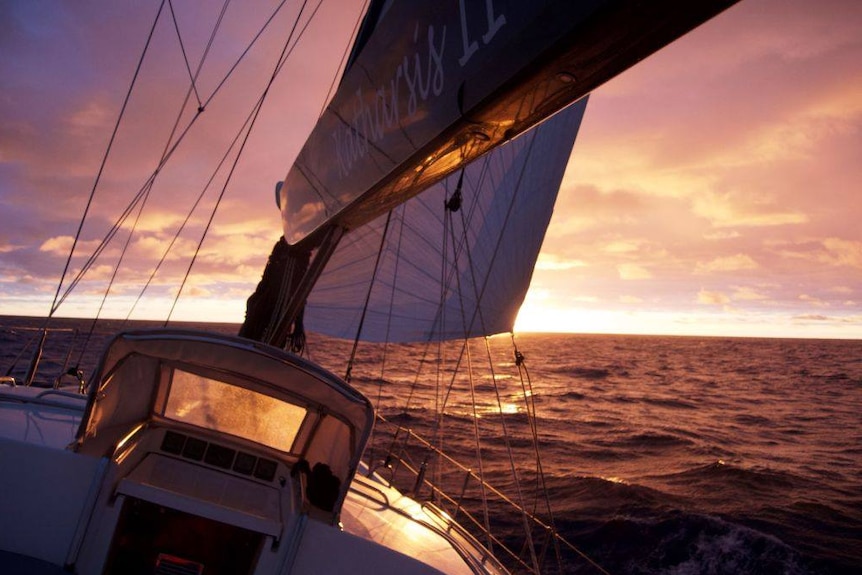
(432, 86)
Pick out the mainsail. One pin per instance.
(430, 88)
(483, 252)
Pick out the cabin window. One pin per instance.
(227, 408)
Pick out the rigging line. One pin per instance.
(285, 53)
(142, 192)
(192, 77)
(437, 323)
(480, 460)
(33, 338)
(254, 40)
(459, 291)
(447, 218)
(530, 406)
(148, 188)
(459, 247)
(368, 297)
(344, 55)
(429, 337)
(451, 205)
(478, 312)
(530, 412)
(189, 215)
(114, 273)
(513, 469)
(108, 237)
(166, 154)
(152, 177)
(402, 209)
(454, 273)
(531, 415)
(480, 295)
(465, 349)
(464, 245)
(183, 50)
(410, 433)
(55, 303)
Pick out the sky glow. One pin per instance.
(714, 188)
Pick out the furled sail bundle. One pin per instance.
(447, 273)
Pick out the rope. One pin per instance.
(344, 56)
(56, 303)
(530, 407)
(478, 440)
(512, 467)
(165, 157)
(383, 363)
(367, 297)
(285, 53)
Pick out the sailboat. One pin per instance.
(413, 216)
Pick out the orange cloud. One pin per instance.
(735, 262)
(633, 272)
(553, 262)
(840, 252)
(712, 298)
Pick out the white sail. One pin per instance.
(483, 258)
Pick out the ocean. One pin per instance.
(676, 455)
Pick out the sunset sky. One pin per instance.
(714, 188)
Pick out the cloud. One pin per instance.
(552, 262)
(582, 206)
(153, 248)
(60, 245)
(633, 272)
(726, 209)
(745, 293)
(722, 234)
(813, 300)
(624, 246)
(812, 317)
(842, 252)
(712, 298)
(722, 264)
(832, 251)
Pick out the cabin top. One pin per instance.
(219, 386)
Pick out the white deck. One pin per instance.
(45, 488)
(382, 514)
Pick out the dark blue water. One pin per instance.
(659, 454)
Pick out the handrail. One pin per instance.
(41, 399)
(440, 494)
